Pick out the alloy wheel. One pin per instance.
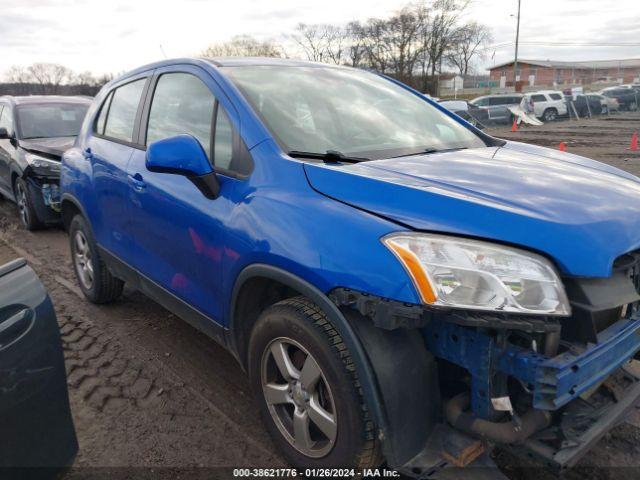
(82, 260)
(21, 200)
(299, 398)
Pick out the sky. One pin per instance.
(112, 36)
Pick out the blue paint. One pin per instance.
(554, 382)
(182, 154)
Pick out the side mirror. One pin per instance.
(183, 155)
(4, 134)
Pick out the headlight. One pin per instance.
(462, 273)
(43, 166)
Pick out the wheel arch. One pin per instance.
(267, 276)
(397, 374)
(70, 206)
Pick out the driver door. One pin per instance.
(180, 233)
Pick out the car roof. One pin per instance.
(45, 99)
(225, 62)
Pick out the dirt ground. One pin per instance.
(154, 398)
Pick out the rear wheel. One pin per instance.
(26, 209)
(550, 114)
(95, 280)
(305, 383)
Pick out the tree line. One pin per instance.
(413, 45)
(50, 79)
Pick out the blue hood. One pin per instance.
(581, 213)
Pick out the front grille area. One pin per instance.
(598, 303)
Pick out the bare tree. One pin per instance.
(17, 74)
(467, 44)
(355, 50)
(440, 31)
(243, 46)
(404, 30)
(322, 42)
(49, 76)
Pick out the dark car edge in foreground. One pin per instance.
(34, 133)
(37, 436)
(399, 286)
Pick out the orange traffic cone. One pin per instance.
(634, 142)
(562, 147)
(514, 127)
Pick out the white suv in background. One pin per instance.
(547, 104)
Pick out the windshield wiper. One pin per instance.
(427, 151)
(330, 156)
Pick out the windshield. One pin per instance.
(50, 120)
(356, 113)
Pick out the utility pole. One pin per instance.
(515, 63)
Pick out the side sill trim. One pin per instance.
(168, 300)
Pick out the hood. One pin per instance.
(581, 213)
(49, 146)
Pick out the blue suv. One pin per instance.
(400, 286)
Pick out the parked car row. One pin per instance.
(548, 105)
(626, 96)
(396, 286)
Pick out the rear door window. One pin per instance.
(555, 96)
(121, 116)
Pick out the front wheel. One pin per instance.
(305, 383)
(26, 207)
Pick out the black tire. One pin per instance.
(104, 287)
(355, 444)
(26, 208)
(550, 114)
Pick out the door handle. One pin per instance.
(87, 153)
(14, 326)
(137, 182)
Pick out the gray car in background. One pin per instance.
(497, 106)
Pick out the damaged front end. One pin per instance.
(42, 176)
(545, 387)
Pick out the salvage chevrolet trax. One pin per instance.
(399, 286)
(34, 132)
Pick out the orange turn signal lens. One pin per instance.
(412, 265)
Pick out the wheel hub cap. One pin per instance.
(299, 398)
(82, 259)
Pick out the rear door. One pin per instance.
(497, 108)
(109, 149)
(558, 102)
(36, 429)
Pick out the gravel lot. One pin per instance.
(149, 392)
